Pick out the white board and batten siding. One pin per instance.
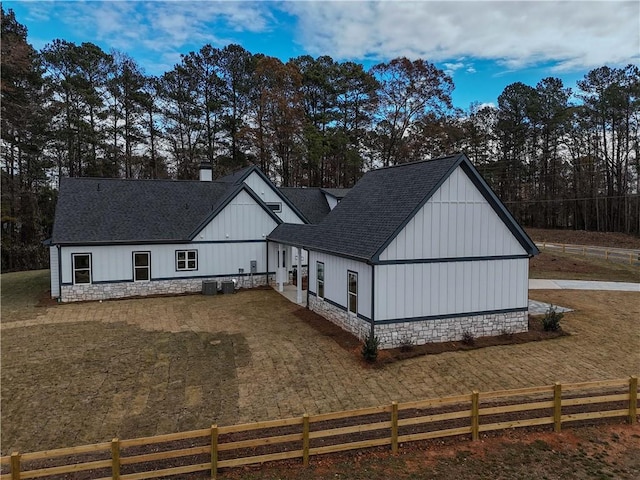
(335, 280)
(331, 200)
(114, 263)
(241, 219)
(267, 194)
(54, 267)
(457, 221)
(229, 242)
(444, 288)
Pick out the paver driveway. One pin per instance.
(291, 369)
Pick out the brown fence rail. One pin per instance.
(210, 449)
(611, 254)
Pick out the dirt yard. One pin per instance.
(565, 266)
(581, 237)
(603, 452)
(88, 372)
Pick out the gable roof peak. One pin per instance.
(457, 156)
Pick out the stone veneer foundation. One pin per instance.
(451, 329)
(347, 321)
(104, 291)
(419, 332)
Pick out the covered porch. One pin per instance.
(290, 265)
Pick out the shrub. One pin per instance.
(468, 338)
(406, 344)
(551, 320)
(370, 348)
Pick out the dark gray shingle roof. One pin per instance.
(309, 201)
(236, 177)
(338, 193)
(379, 206)
(111, 210)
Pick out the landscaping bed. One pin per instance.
(351, 344)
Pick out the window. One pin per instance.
(186, 259)
(275, 207)
(141, 266)
(320, 279)
(353, 292)
(81, 268)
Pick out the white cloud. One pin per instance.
(571, 35)
(165, 27)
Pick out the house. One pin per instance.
(419, 252)
(413, 253)
(115, 238)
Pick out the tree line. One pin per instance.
(558, 157)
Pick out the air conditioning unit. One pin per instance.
(209, 287)
(228, 287)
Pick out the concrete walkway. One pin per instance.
(290, 293)
(541, 284)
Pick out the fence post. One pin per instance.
(475, 417)
(563, 247)
(214, 451)
(394, 427)
(631, 259)
(15, 466)
(633, 399)
(557, 407)
(305, 439)
(115, 459)
(584, 251)
(606, 254)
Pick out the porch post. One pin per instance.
(299, 277)
(281, 271)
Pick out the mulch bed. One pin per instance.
(351, 344)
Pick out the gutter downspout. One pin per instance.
(373, 303)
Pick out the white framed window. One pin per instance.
(275, 207)
(81, 268)
(141, 266)
(320, 279)
(186, 260)
(352, 287)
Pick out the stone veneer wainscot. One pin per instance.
(347, 321)
(104, 291)
(424, 331)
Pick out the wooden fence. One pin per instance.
(620, 255)
(211, 449)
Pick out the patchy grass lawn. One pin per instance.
(72, 384)
(87, 372)
(564, 266)
(580, 237)
(23, 294)
(602, 452)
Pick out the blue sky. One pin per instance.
(484, 45)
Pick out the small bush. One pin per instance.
(468, 338)
(551, 320)
(370, 348)
(507, 333)
(405, 344)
